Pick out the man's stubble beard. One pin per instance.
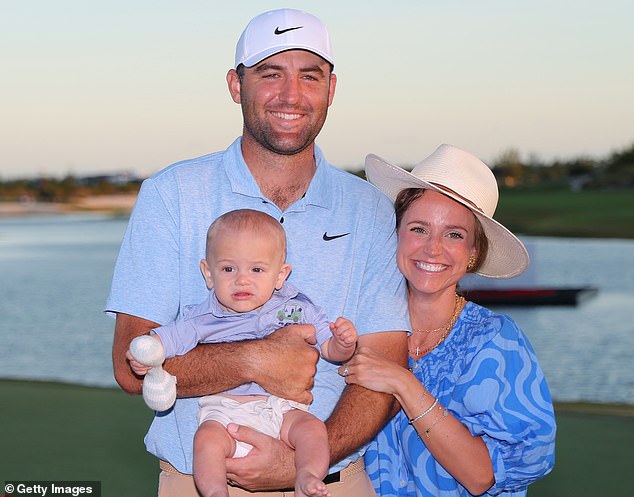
(265, 136)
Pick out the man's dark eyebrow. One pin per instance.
(274, 67)
(267, 67)
(314, 68)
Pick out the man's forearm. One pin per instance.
(359, 416)
(204, 370)
(211, 368)
(282, 363)
(361, 413)
(127, 328)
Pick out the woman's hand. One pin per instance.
(372, 370)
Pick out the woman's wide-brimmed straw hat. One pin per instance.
(467, 180)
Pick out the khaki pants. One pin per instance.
(354, 482)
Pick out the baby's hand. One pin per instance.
(145, 352)
(137, 367)
(344, 332)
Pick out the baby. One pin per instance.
(245, 270)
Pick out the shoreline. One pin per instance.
(563, 214)
(119, 204)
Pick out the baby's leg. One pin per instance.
(308, 436)
(212, 444)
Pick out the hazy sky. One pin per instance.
(89, 87)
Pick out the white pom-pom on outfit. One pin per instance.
(159, 387)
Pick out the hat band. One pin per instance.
(466, 200)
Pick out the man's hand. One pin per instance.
(269, 466)
(286, 364)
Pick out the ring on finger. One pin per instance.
(345, 372)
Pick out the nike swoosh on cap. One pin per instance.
(328, 238)
(279, 31)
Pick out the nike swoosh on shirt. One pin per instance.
(279, 31)
(328, 238)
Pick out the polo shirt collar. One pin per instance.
(321, 188)
(240, 177)
(319, 191)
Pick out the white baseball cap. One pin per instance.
(278, 30)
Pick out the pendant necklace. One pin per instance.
(446, 329)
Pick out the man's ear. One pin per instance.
(331, 88)
(233, 83)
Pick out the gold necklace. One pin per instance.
(437, 330)
(460, 302)
(444, 326)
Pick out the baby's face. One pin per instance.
(244, 270)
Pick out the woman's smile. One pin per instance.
(432, 268)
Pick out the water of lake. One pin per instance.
(55, 274)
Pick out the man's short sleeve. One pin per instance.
(146, 274)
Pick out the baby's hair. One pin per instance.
(250, 220)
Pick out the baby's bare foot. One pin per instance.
(309, 485)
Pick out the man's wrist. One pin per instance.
(248, 354)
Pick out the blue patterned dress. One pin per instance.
(487, 376)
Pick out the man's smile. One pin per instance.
(286, 116)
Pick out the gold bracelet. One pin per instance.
(436, 421)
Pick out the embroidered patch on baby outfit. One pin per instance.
(290, 314)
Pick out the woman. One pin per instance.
(477, 416)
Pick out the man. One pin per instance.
(341, 244)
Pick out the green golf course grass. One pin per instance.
(53, 431)
(563, 213)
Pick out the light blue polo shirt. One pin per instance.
(341, 245)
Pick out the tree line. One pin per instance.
(616, 171)
(50, 189)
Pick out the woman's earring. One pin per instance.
(472, 263)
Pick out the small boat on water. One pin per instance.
(529, 296)
(524, 290)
